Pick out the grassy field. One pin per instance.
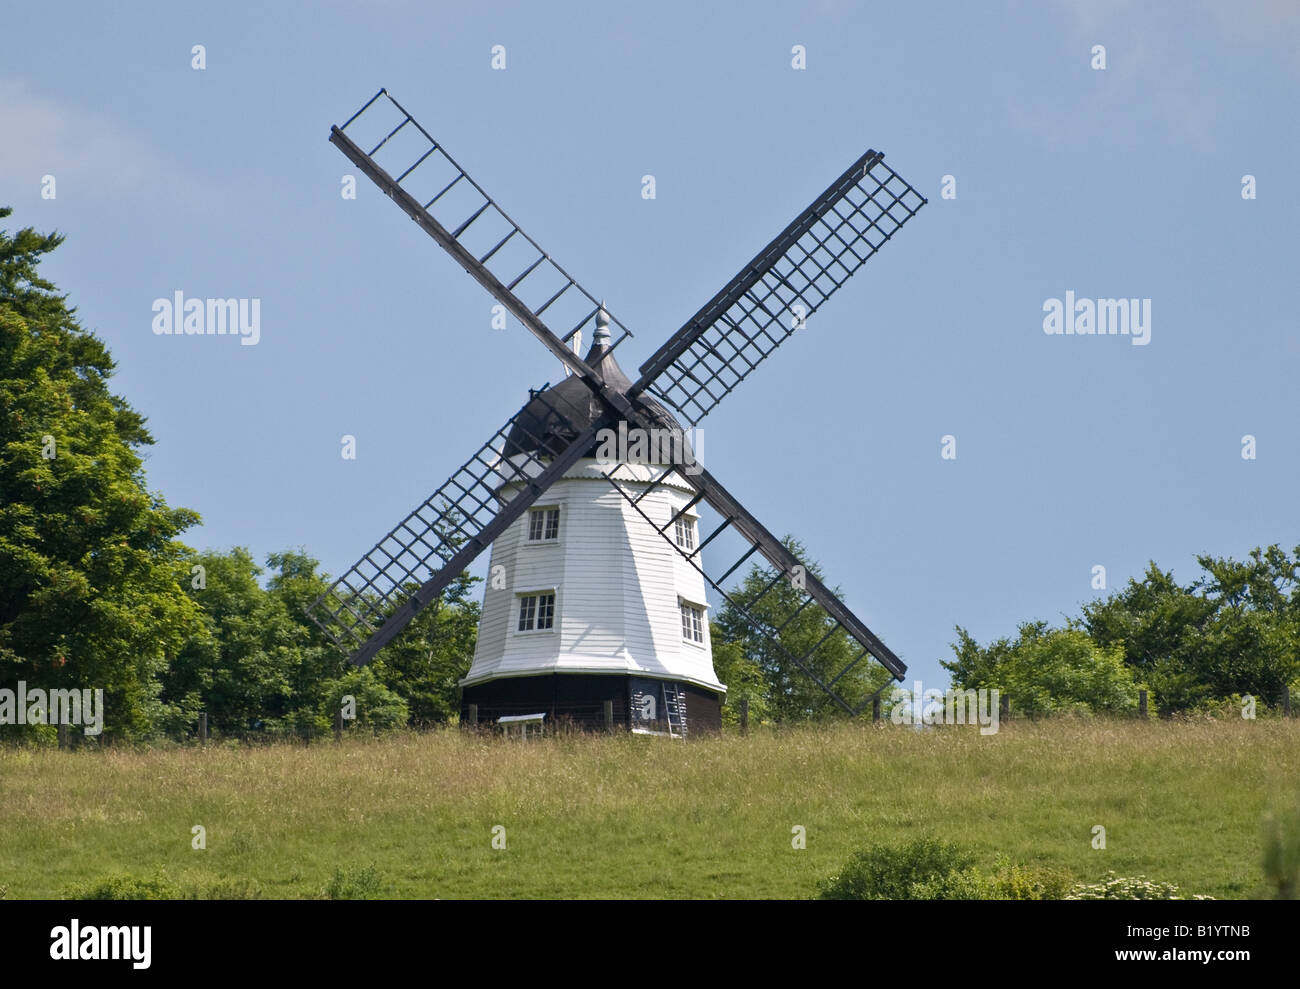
(649, 817)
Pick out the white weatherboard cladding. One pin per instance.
(618, 587)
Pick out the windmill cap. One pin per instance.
(538, 426)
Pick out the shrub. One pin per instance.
(963, 884)
(123, 886)
(160, 886)
(1227, 708)
(226, 888)
(1019, 882)
(926, 869)
(896, 872)
(353, 883)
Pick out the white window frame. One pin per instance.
(686, 524)
(517, 612)
(528, 525)
(703, 614)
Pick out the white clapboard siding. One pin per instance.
(617, 584)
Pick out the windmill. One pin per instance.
(596, 600)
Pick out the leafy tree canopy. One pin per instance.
(1047, 670)
(1233, 631)
(91, 570)
(761, 607)
(96, 590)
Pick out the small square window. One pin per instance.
(543, 524)
(536, 612)
(685, 532)
(692, 622)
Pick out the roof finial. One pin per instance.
(602, 327)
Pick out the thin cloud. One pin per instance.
(1148, 89)
(1154, 87)
(1259, 22)
(89, 156)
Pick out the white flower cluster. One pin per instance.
(1115, 887)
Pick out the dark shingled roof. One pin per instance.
(537, 427)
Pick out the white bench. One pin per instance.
(522, 721)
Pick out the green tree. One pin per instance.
(1157, 623)
(91, 573)
(425, 663)
(377, 707)
(777, 606)
(1251, 644)
(743, 678)
(242, 667)
(1236, 630)
(1046, 670)
(317, 663)
(260, 664)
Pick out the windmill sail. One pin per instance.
(417, 173)
(784, 284)
(380, 593)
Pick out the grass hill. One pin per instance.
(412, 815)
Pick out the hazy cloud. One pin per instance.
(1271, 23)
(1153, 88)
(89, 156)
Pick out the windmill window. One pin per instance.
(536, 612)
(685, 532)
(692, 622)
(543, 524)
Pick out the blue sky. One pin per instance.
(1072, 451)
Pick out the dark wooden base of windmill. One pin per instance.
(578, 700)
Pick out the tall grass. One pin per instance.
(633, 816)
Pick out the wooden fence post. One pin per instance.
(744, 715)
(875, 709)
(338, 725)
(1004, 705)
(1142, 703)
(609, 715)
(1286, 703)
(203, 727)
(473, 716)
(63, 732)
